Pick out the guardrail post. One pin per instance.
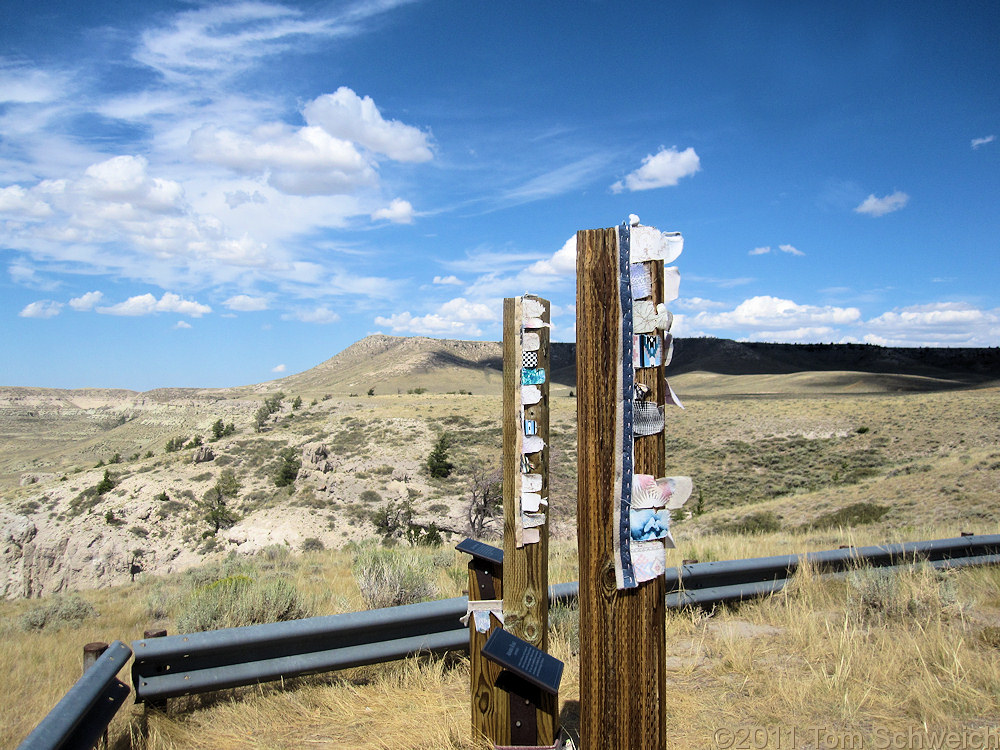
(143, 710)
(526, 361)
(622, 640)
(91, 653)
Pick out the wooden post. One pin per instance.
(525, 569)
(622, 640)
(91, 653)
(489, 703)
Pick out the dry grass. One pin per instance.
(816, 655)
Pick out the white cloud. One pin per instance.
(306, 161)
(320, 315)
(44, 308)
(562, 262)
(774, 315)
(448, 280)
(86, 301)
(343, 114)
(663, 169)
(181, 325)
(977, 142)
(278, 368)
(760, 250)
(22, 85)
(246, 303)
(791, 250)
(457, 317)
(873, 206)
(16, 201)
(147, 304)
(398, 212)
(936, 324)
(697, 304)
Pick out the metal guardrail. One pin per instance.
(213, 660)
(81, 716)
(202, 662)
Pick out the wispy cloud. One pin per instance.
(43, 309)
(873, 206)
(977, 142)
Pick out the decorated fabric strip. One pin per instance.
(649, 560)
(529, 359)
(624, 441)
(668, 345)
(480, 611)
(532, 444)
(530, 394)
(530, 342)
(671, 397)
(532, 308)
(532, 376)
(648, 318)
(526, 467)
(531, 482)
(671, 283)
(668, 492)
(535, 323)
(649, 243)
(648, 523)
(530, 427)
(641, 280)
(647, 350)
(648, 418)
(668, 541)
(532, 536)
(531, 502)
(531, 520)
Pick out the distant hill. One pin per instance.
(399, 364)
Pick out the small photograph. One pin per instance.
(642, 281)
(647, 524)
(530, 427)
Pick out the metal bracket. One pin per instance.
(525, 699)
(485, 575)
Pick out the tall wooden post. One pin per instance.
(622, 640)
(525, 568)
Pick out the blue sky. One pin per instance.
(219, 194)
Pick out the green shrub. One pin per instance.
(105, 485)
(71, 609)
(288, 467)
(759, 522)
(312, 544)
(238, 600)
(391, 577)
(370, 496)
(856, 514)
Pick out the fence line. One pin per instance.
(202, 662)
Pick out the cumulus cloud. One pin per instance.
(977, 142)
(448, 280)
(760, 250)
(44, 308)
(304, 161)
(936, 324)
(774, 315)
(344, 114)
(663, 169)
(181, 325)
(147, 304)
(398, 212)
(86, 301)
(562, 262)
(457, 317)
(873, 206)
(246, 303)
(17, 202)
(278, 368)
